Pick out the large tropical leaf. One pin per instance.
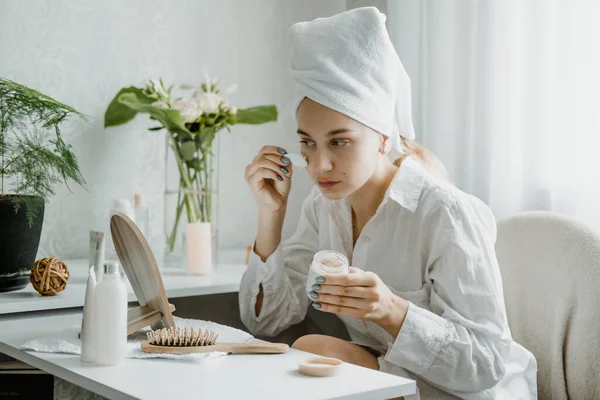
(170, 118)
(257, 115)
(118, 113)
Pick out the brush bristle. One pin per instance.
(178, 337)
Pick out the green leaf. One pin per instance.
(35, 96)
(257, 115)
(118, 113)
(170, 118)
(188, 150)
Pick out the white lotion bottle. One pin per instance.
(111, 316)
(88, 327)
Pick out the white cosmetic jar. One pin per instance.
(325, 262)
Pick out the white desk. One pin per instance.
(227, 377)
(224, 279)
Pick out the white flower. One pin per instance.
(158, 87)
(190, 109)
(155, 82)
(233, 110)
(210, 103)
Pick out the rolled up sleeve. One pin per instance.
(283, 278)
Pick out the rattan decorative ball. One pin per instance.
(49, 276)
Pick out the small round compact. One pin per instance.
(322, 366)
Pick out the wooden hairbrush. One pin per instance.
(189, 340)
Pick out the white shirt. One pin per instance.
(432, 245)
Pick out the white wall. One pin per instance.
(82, 52)
(380, 4)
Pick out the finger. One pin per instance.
(266, 164)
(356, 278)
(276, 150)
(264, 178)
(353, 302)
(261, 174)
(360, 292)
(283, 163)
(340, 310)
(277, 159)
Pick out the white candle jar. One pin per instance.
(325, 262)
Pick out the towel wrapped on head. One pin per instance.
(348, 63)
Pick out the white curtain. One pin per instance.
(507, 94)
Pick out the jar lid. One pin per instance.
(321, 366)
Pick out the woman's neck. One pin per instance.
(367, 199)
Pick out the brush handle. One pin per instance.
(251, 348)
(235, 348)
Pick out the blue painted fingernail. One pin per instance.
(316, 286)
(316, 305)
(314, 295)
(284, 170)
(285, 160)
(279, 177)
(319, 279)
(281, 151)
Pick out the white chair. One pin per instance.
(550, 268)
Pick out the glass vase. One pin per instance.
(181, 239)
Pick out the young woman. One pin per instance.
(424, 297)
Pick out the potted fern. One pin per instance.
(33, 160)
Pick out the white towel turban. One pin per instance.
(348, 63)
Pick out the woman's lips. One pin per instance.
(327, 184)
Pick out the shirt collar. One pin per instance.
(405, 189)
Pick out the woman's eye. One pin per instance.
(338, 143)
(307, 143)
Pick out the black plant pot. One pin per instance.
(18, 241)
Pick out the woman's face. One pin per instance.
(342, 153)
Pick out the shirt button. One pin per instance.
(367, 239)
(269, 287)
